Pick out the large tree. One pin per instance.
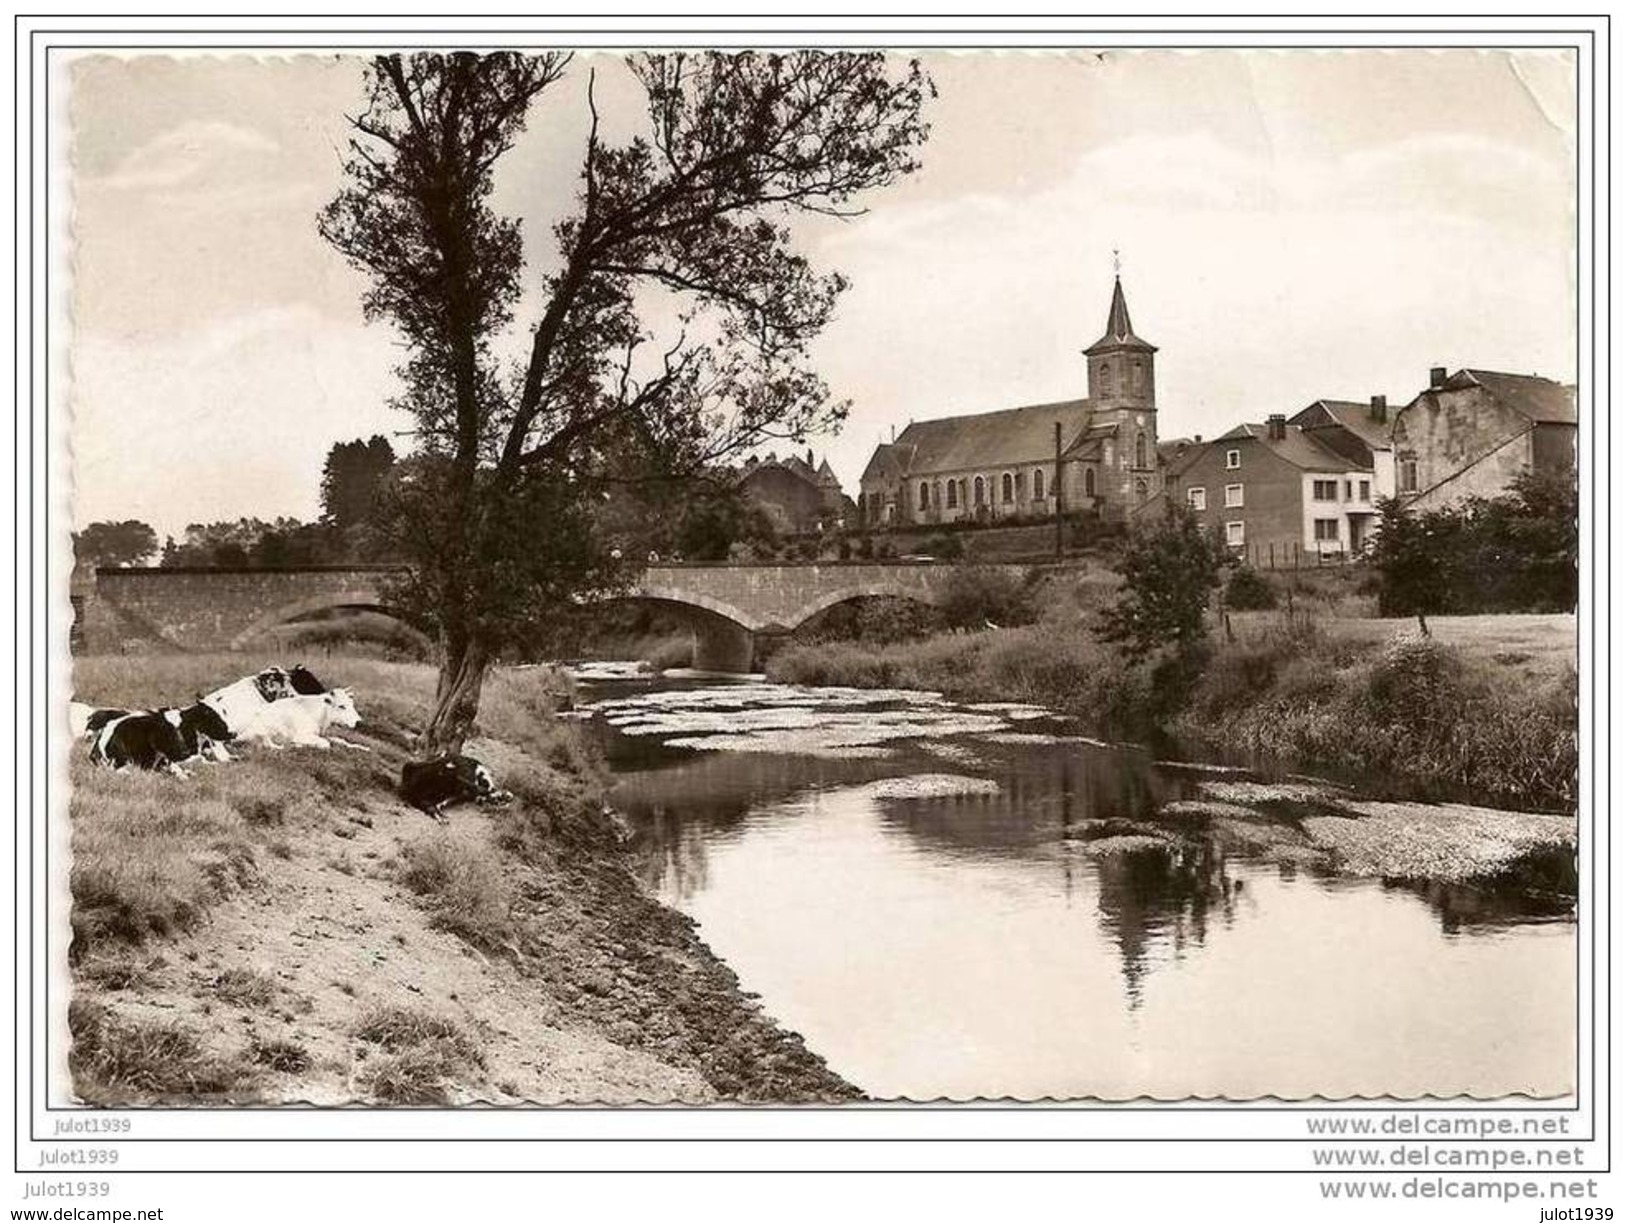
(129, 542)
(695, 211)
(352, 477)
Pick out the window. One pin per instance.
(1088, 481)
(1407, 475)
(1105, 375)
(1021, 486)
(1325, 530)
(1232, 460)
(936, 494)
(981, 490)
(1138, 376)
(1365, 490)
(1007, 488)
(1197, 498)
(925, 495)
(1038, 484)
(1142, 490)
(1234, 497)
(1235, 534)
(1348, 490)
(1325, 490)
(953, 494)
(964, 493)
(1139, 450)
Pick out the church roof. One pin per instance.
(1119, 329)
(990, 439)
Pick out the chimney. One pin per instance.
(1437, 376)
(809, 456)
(1277, 427)
(1379, 408)
(1198, 439)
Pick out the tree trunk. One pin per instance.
(1422, 623)
(463, 664)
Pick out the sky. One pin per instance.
(1290, 226)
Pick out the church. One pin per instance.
(1097, 454)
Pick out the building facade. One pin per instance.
(1095, 454)
(1470, 433)
(1360, 432)
(796, 496)
(1277, 494)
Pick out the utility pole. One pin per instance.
(1060, 495)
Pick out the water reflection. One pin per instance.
(1041, 926)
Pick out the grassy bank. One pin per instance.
(283, 929)
(1462, 716)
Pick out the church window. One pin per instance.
(1137, 376)
(1105, 376)
(1141, 490)
(1038, 484)
(936, 493)
(1007, 488)
(925, 495)
(1088, 481)
(1021, 486)
(953, 494)
(1139, 450)
(981, 490)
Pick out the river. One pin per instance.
(974, 901)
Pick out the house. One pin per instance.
(1277, 493)
(1471, 432)
(1360, 432)
(796, 496)
(1097, 453)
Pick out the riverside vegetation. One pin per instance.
(284, 929)
(1432, 717)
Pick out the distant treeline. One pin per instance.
(349, 531)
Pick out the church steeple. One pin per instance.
(1121, 367)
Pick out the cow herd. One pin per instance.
(269, 707)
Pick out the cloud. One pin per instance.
(189, 154)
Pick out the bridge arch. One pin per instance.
(339, 600)
(849, 594)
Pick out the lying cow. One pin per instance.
(84, 720)
(145, 740)
(149, 740)
(433, 785)
(299, 719)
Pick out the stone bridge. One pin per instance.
(735, 609)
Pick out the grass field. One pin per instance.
(1546, 643)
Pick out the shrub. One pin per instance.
(976, 596)
(1247, 590)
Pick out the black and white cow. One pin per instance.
(150, 740)
(433, 785)
(303, 682)
(205, 732)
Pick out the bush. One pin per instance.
(1247, 590)
(977, 596)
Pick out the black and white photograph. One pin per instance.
(814, 576)
(850, 578)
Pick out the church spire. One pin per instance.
(1119, 329)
